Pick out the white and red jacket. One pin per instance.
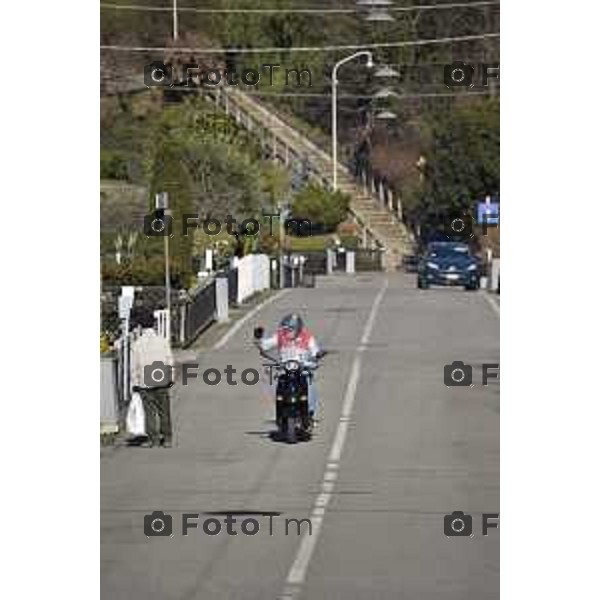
(303, 349)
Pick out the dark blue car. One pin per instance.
(448, 263)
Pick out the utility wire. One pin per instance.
(395, 96)
(370, 97)
(446, 40)
(305, 11)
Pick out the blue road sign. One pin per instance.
(488, 213)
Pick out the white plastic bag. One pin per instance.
(136, 417)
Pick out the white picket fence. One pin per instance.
(162, 323)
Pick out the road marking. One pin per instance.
(297, 572)
(493, 304)
(229, 334)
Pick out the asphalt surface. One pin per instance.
(395, 451)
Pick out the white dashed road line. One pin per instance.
(298, 570)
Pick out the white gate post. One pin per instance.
(329, 261)
(494, 274)
(182, 315)
(350, 262)
(222, 302)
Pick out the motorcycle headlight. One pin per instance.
(472, 267)
(432, 265)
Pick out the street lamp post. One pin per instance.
(369, 55)
(175, 24)
(283, 210)
(162, 204)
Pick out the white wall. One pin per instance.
(253, 275)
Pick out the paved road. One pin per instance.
(395, 452)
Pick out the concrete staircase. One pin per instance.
(378, 223)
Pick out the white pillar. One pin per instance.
(329, 261)
(494, 274)
(182, 316)
(350, 262)
(222, 299)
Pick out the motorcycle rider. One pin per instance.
(294, 341)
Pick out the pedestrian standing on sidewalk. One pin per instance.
(152, 376)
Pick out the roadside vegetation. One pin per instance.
(440, 154)
(209, 167)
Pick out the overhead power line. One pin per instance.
(304, 11)
(446, 40)
(364, 96)
(395, 96)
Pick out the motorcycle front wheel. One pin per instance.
(290, 430)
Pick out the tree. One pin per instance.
(321, 207)
(462, 159)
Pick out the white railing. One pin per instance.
(288, 137)
(162, 323)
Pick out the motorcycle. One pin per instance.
(291, 397)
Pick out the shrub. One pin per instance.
(320, 206)
(149, 271)
(113, 165)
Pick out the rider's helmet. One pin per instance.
(292, 324)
